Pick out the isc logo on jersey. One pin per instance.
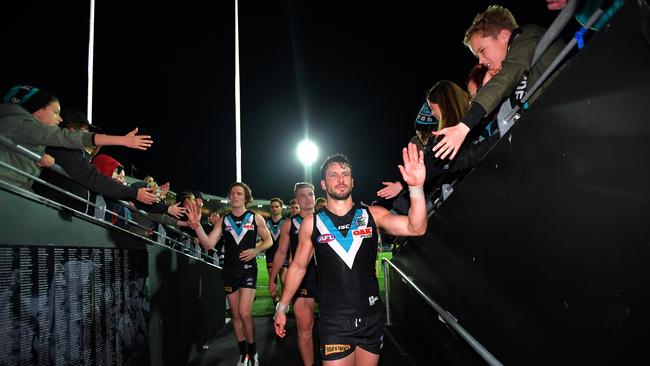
(363, 232)
(325, 238)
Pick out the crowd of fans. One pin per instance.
(455, 127)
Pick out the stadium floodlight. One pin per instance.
(307, 154)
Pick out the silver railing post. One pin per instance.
(100, 208)
(386, 269)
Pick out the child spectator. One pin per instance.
(507, 51)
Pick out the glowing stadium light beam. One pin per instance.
(307, 152)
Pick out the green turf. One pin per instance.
(263, 305)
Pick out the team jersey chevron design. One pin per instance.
(239, 231)
(345, 246)
(296, 222)
(274, 229)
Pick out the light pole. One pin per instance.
(307, 154)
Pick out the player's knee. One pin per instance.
(304, 333)
(245, 314)
(304, 325)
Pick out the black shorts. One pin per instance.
(339, 336)
(269, 265)
(243, 279)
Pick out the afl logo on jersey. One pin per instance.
(325, 238)
(364, 232)
(228, 228)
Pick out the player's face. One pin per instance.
(295, 209)
(491, 51)
(305, 198)
(276, 208)
(237, 197)
(338, 182)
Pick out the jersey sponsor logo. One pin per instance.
(304, 292)
(336, 348)
(325, 238)
(364, 233)
(344, 227)
(239, 229)
(345, 246)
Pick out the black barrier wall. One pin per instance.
(74, 291)
(542, 252)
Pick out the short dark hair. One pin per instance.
(248, 192)
(334, 159)
(276, 199)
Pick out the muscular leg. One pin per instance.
(246, 297)
(233, 300)
(303, 308)
(345, 361)
(365, 358)
(360, 357)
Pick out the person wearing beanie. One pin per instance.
(86, 179)
(424, 125)
(28, 117)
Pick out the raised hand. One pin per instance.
(413, 170)
(193, 215)
(176, 210)
(135, 141)
(147, 195)
(449, 145)
(390, 190)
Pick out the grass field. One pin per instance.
(263, 305)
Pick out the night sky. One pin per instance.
(350, 74)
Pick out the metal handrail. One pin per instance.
(99, 207)
(29, 154)
(445, 315)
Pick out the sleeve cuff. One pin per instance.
(473, 115)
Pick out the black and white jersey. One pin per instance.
(310, 275)
(346, 253)
(239, 233)
(274, 229)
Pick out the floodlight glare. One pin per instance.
(307, 152)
